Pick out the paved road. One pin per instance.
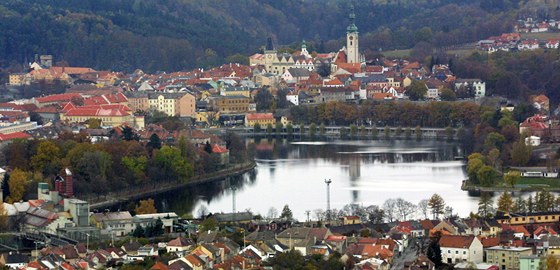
(409, 254)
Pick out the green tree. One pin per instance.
(398, 131)
(407, 133)
(486, 175)
(449, 133)
(493, 158)
(520, 153)
(312, 130)
(47, 160)
(289, 129)
(436, 205)
(447, 94)
(374, 132)
(485, 205)
(520, 205)
(170, 165)
(387, 132)
(353, 130)
(505, 202)
(209, 224)
(363, 130)
(278, 128)
(417, 90)
(137, 165)
(257, 128)
(418, 133)
(322, 129)
(512, 177)
(154, 142)
(269, 128)
(473, 166)
(494, 140)
(286, 213)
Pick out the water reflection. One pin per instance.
(363, 172)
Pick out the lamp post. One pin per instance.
(328, 182)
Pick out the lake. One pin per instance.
(362, 172)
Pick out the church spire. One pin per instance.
(352, 27)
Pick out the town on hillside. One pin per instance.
(122, 134)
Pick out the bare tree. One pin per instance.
(375, 214)
(272, 213)
(319, 214)
(423, 208)
(389, 207)
(405, 208)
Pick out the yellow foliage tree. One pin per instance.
(552, 262)
(3, 217)
(17, 184)
(145, 207)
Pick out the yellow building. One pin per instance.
(235, 91)
(506, 257)
(229, 104)
(263, 119)
(181, 104)
(529, 218)
(16, 79)
(110, 116)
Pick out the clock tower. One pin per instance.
(269, 54)
(352, 44)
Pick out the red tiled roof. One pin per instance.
(15, 135)
(456, 241)
(259, 116)
(72, 70)
(218, 149)
(58, 98)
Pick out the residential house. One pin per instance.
(459, 248)
(179, 246)
(263, 119)
(476, 86)
(507, 257)
(550, 44)
(302, 238)
(118, 223)
(182, 104)
(229, 104)
(528, 44)
(13, 260)
(529, 262)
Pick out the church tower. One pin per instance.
(269, 54)
(352, 48)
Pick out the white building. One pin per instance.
(460, 248)
(477, 85)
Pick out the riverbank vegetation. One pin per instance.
(116, 164)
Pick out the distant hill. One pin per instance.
(179, 34)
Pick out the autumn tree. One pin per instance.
(145, 207)
(505, 202)
(47, 159)
(3, 217)
(18, 181)
(437, 205)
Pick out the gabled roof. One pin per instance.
(180, 242)
(456, 241)
(259, 116)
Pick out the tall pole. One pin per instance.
(328, 182)
(233, 198)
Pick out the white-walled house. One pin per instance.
(461, 248)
